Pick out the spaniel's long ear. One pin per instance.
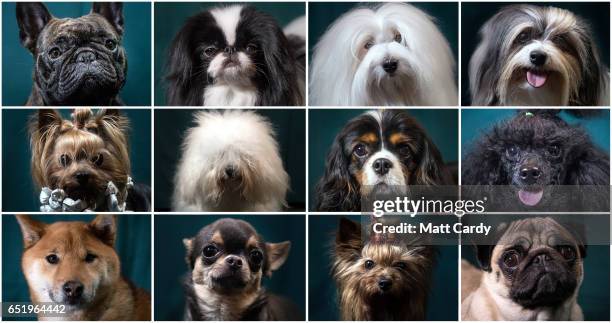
(337, 190)
(431, 167)
(181, 69)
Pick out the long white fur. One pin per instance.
(242, 138)
(344, 73)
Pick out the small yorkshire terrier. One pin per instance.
(83, 164)
(227, 261)
(382, 278)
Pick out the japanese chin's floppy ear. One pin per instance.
(337, 190)
(180, 69)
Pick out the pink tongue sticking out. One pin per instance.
(530, 198)
(536, 79)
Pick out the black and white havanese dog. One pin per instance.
(237, 56)
(378, 152)
(230, 162)
(531, 55)
(533, 158)
(389, 54)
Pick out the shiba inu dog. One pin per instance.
(75, 264)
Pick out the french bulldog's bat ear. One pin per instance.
(31, 230)
(104, 227)
(277, 253)
(32, 17)
(112, 11)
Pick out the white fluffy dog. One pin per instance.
(390, 54)
(230, 162)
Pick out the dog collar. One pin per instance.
(57, 201)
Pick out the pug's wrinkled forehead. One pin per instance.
(533, 232)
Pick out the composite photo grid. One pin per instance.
(305, 161)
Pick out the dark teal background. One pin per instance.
(174, 14)
(19, 193)
(474, 15)
(476, 122)
(322, 301)
(170, 127)
(288, 281)
(133, 246)
(441, 126)
(17, 61)
(323, 14)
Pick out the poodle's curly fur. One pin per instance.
(562, 154)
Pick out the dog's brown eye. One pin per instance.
(210, 51)
(360, 150)
(64, 160)
(398, 38)
(256, 257)
(52, 259)
(512, 151)
(54, 53)
(89, 258)
(251, 48)
(554, 151)
(523, 37)
(568, 253)
(368, 45)
(98, 160)
(369, 264)
(110, 44)
(210, 251)
(400, 265)
(511, 258)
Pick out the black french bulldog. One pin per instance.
(78, 61)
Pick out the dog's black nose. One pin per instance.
(230, 50)
(384, 284)
(530, 174)
(381, 166)
(82, 177)
(86, 57)
(230, 171)
(390, 65)
(73, 289)
(234, 262)
(541, 259)
(537, 57)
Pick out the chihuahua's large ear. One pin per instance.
(188, 242)
(112, 11)
(104, 226)
(277, 253)
(31, 230)
(32, 17)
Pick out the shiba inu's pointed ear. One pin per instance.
(104, 227)
(188, 242)
(277, 254)
(31, 229)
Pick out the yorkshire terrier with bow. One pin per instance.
(83, 164)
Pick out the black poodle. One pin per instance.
(536, 159)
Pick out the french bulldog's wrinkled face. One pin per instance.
(78, 61)
(539, 262)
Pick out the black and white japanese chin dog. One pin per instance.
(530, 55)
(230, 162)
(236, 56)
(378, 152)
(386, 55)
